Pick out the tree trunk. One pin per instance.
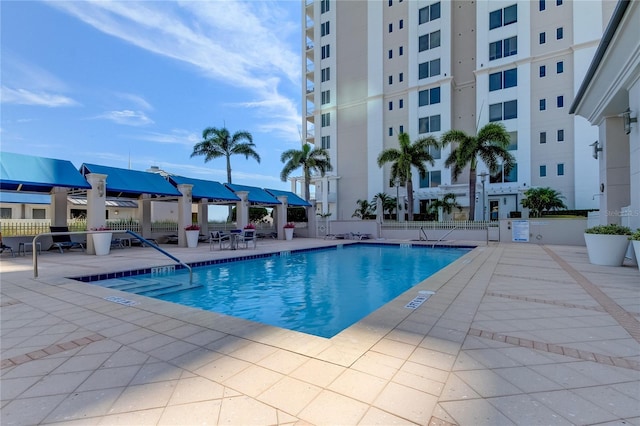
(410, 199)
(472, 194)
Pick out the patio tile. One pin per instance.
(155, 371)
(611, 400)
(201, 413)
(253, 352)
(204, 337)
(377, 364)
(573, 407)
(11, 388)
(138, 418)
(125, 356)
(246, 411)
(317, 372)
(422, 378)
(283, 361)
(79, 405)
(290, 395)
(56, 384)
(394, 348)
(487, 383)
(143, 397)
(406, 402)
(172, 350)
(253, 380)
(527, 380)
(358, 385)
(343, 410)
(106, 378)
(477, 412)
(439, 360)
(525, 410)
(222, 368)
(455, 389)
(375, 416)
(195, 389)
(29, 410)
(38, 367)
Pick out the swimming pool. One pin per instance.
(320, 292)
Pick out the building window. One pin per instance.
(390, 105)
(390, 3)
(560, 169)
(542, 38)
(390, 28)
(543, 137)
(390, 53)
(431, 179)
(542, 5)
(505, 16)
(401, 77)
(401, 129)
(503, 48)
(543, 171)
(38, 213)
(559, 33)
(558, 2)
(560, 135)
(400, 51)
(559, 67)
(324, 6)
(401, 103)
(5, 212)
(543, 70)
(429, 41)
(429, 13)
(326, 142)
(429, 96)
(543, 104)
(326, 51)
(560, 101)
(429, 124)
(503, 111)
(326, 119)
(390, 131)
(326, 97)
(429, 69)
(325, 74)
(503, 79)
(390, 79)
(436, 152)
(501, 177)
(324, 29)
(401, 24)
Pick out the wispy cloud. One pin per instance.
(126, 117)
(177, 136)
(41, 98)
(238, 43)
(138, 101)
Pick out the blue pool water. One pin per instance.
(319, 292)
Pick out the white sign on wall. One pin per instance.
(520, 231)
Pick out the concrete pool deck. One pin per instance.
(514, 334)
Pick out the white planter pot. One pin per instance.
(102, 243)
(606, 250)
(636, 248)
(192, 238)
(288, 233)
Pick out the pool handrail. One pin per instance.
(147, 242)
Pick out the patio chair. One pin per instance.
(248, 236)
(219, 237)
(4, 247)
(64, 241)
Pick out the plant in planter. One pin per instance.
(607, 244)
(250, 226)
(288, 230)
(635, 240)
(192, 231)
(192, 228)
(102, 241)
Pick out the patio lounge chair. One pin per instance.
(64, 241)
(248, 236)
(4, 247)
(219, 237)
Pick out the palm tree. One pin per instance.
(406, 156)
(448, 203)
(218, 143)
(310, 159)
(388, 202)
(542, 199)
(489, 145)
(364, 209)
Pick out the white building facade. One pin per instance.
(375, 69)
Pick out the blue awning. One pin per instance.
(131, 183)
(19, 172)
(292, 199)
(256, 195)
(24, 198)
(214, 191)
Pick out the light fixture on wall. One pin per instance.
(627, 120)
(596, 149)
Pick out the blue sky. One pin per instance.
(135, 83)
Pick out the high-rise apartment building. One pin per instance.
(374, 69)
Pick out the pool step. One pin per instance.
(151, 287)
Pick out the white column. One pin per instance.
(184, 212)
(242, 209)
(312, 220)
(59, 207)
(281, 215)
(614, 170)
(144, 213)
(325, 195)
(203, 215)
(96, 205)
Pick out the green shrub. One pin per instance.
(636, 235)
(611, 229)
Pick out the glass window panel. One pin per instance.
(511, 46)
(423, 97)
(435, 152)
(543, 171)
(543, 104)
(434, 97)
(561, 169)
(542, 38)
(543, 137)
(434, 11)
(495, 19)
(434, 125)
(434, 40)
(511, 14)
(423, 43)
(513, 141)
(495, 112)
(559, 33)
(424, 181)
(561, 135)
(511, 78)
(560, 101)
(423, 15)
(495, 81)
(436, 178)
(495, 50)
(434, 67)
(423, 70)
(543, 70)
(512, 176)
(423, 125)
(542, 5)
(560, 67)
(510, 110)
